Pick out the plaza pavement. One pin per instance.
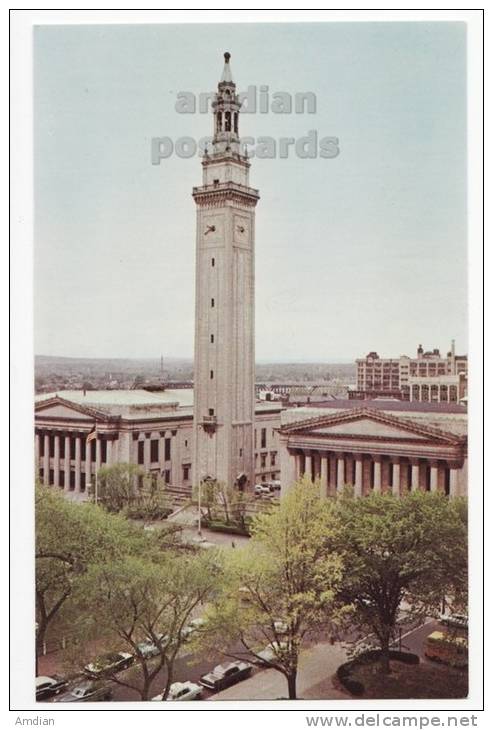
(317, 666)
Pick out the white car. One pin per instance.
(262, 489)
(271, 652)
(194, 625)
(456, 620)
(181, 691)
(149, 649)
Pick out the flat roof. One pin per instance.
(382, 404)
(181, 396)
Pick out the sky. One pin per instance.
(364, 251)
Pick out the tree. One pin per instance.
(118, 485)
(412, 549)
(281, 587)
(136, 600)
(69, 536)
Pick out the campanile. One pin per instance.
(224, 381)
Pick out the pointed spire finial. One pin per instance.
(226, 77)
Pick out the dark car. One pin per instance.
(49, 687)
(86, 691)
(224, 675)
(110, 663)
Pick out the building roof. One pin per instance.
(182, 397)
(392, 405)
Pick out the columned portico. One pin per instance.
(374, 452)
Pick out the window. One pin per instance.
(61, 478)
(216, 181)
(93, 449)
(83, 482)
(241, 452)
(213, 262)
(185, 473)
(263, 458)
(154, 450)
(41, 472)
(51, 477)
(167, 476)
(273, 458)
(212, 374)
(212, 302)
(62, 447)
(52, 446)
(211, 411)
(273, 476)
(72, 480)
(212, 339)
(167, 449)
(140, 452)
(263, 438)
(72, 447)
(104, 450)
(186, 443)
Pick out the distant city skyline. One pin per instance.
(365, 251)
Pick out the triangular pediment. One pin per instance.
(367, 424)
(369, 427)
(58, 407)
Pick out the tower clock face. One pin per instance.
(241, 229)
(212, 229)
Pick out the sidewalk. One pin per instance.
(316, 668)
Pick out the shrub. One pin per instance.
(345, 671)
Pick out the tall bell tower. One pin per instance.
(224, 386)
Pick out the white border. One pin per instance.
(22, 370)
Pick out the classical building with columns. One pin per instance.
(376, 446)
(153, 430)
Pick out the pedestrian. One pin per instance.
(233, 543)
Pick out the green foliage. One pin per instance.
(135, 600)
(118, 485)
(282, 585)
(411, 549)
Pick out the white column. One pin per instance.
(433, 477)
(110, 452)
(88, 462)
(98, 454)
(56, 462)
(415, 476)
(308, 465)
(288, 467)
(396, 478)
(37, 447)
(324, 475)
(78, 448)
(67, 463)
(454, 483)
(46, 459)
(340, 472)
(358, 477)
(377, 474)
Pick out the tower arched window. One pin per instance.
(236, 122)
(219, 121)
(227, 122)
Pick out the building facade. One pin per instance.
(225, 307)
(376, 446)
(153, 430)
(428, 377)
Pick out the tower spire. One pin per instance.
(227, 78)
(226, 109)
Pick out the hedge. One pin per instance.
(368, 657)
(233, 529)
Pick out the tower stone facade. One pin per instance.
(224, 385)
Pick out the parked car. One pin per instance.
(271, 652)
(280, 626)
(194, 625)
(275, 486)
(110, 663)
(262, 489)
(224, 675)
(49, 687)
(448, 649)
(86, 691)
(181, 691)
(149, 648)
(456, 620)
